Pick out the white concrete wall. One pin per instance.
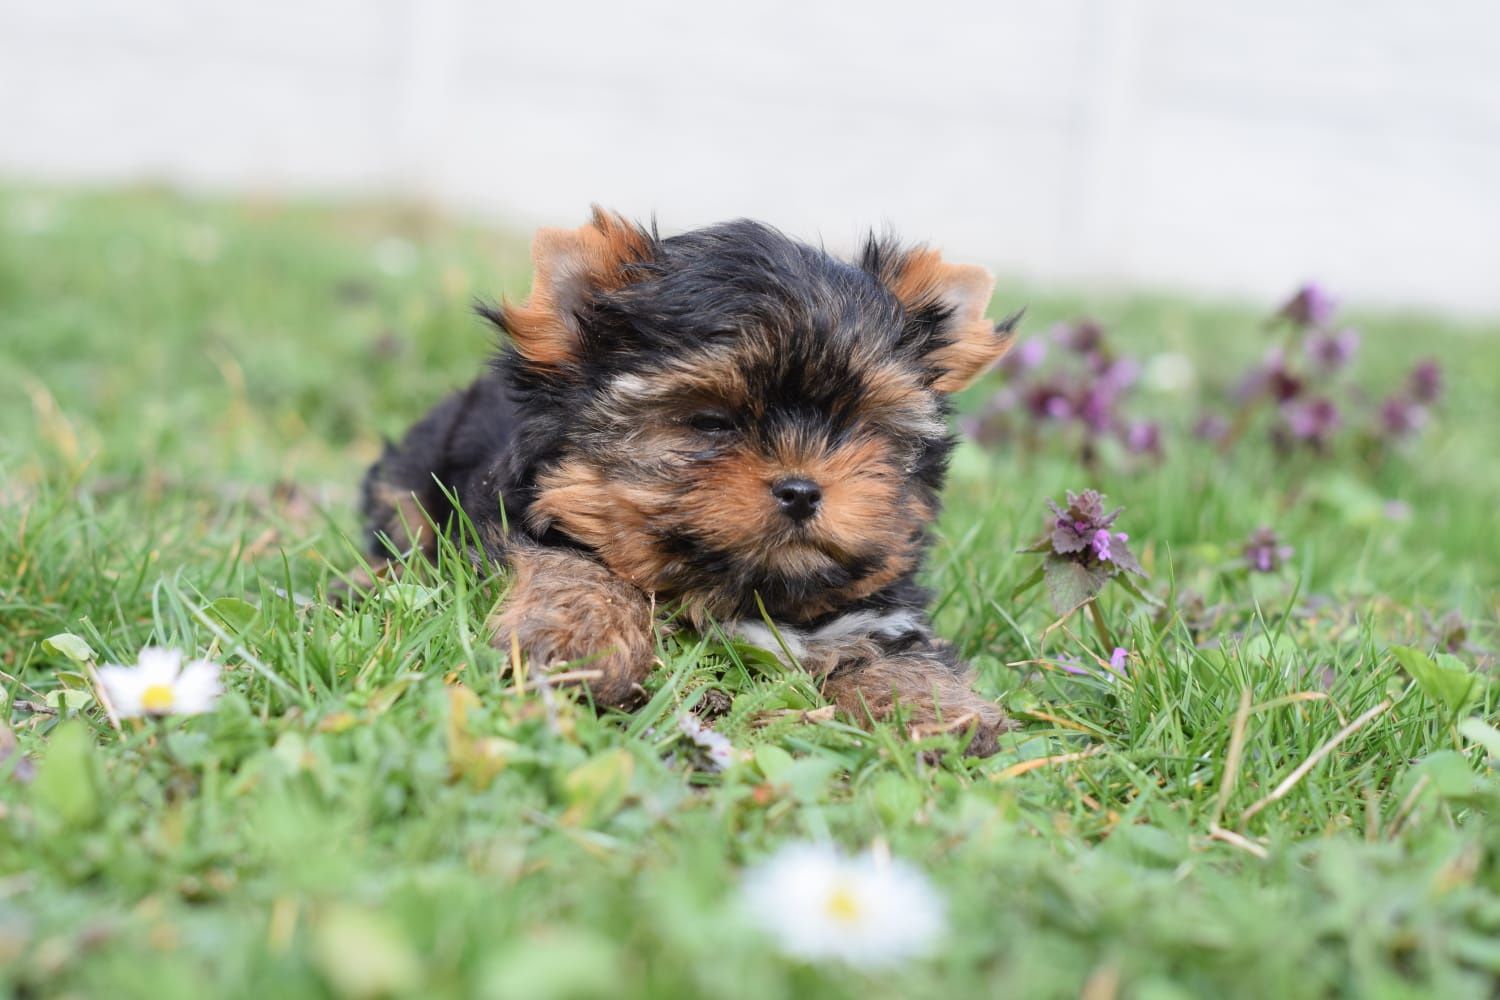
(1179, 143)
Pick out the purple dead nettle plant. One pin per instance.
(1400, 417)
(1211, 427)
(1296, 376)
(1118, 663)
(1332, 352)
(1143, 437)
(1082, 553)
(1264, 551)
(1311, 306)
(1070, 383)
(1405, 412)
(1303, 380)
(1425, 381)
(1310, 422)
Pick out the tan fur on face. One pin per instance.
(726, 503)
(923, 279)
(611, 518)
(712, 378)
(569, 265)
(731, 507)
(729, 502)
(861, 491)
(896, 400)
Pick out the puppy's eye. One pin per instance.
(711, 422)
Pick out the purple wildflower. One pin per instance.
(1312, 422)
(1425, 382)
(1095, 404)
(1271, 378)
(1074, 527)
(1081, 553)
(1143, 437)
(1121, 374)
(1264, 552)
(1081, 533)
(1401, 417)
(1072, 665)
(1333, 351)
(1102, 540)
(1049, 401)
(1118, 659)
(1096, 407)
(1211, 427)
(1082, 337)
(1280, 382)
(1312, 306)
(1026, 356)
(1080, 383)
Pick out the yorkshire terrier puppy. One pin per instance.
(727, 420)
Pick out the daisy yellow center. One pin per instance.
(157, 698)
(842, 906)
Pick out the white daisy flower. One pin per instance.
(867, 911)
(721, 753)
(159, 684)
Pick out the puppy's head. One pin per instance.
(729, 414)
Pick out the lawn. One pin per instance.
(1280, 790)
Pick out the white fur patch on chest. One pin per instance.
(886, 625)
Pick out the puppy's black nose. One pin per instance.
(799, 498)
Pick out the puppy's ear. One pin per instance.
(945, 306)
(571, 266)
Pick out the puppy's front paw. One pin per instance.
(958, 710)
(565, 609)
(984, 719)
(933, 697)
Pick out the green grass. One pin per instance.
(189, 391)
